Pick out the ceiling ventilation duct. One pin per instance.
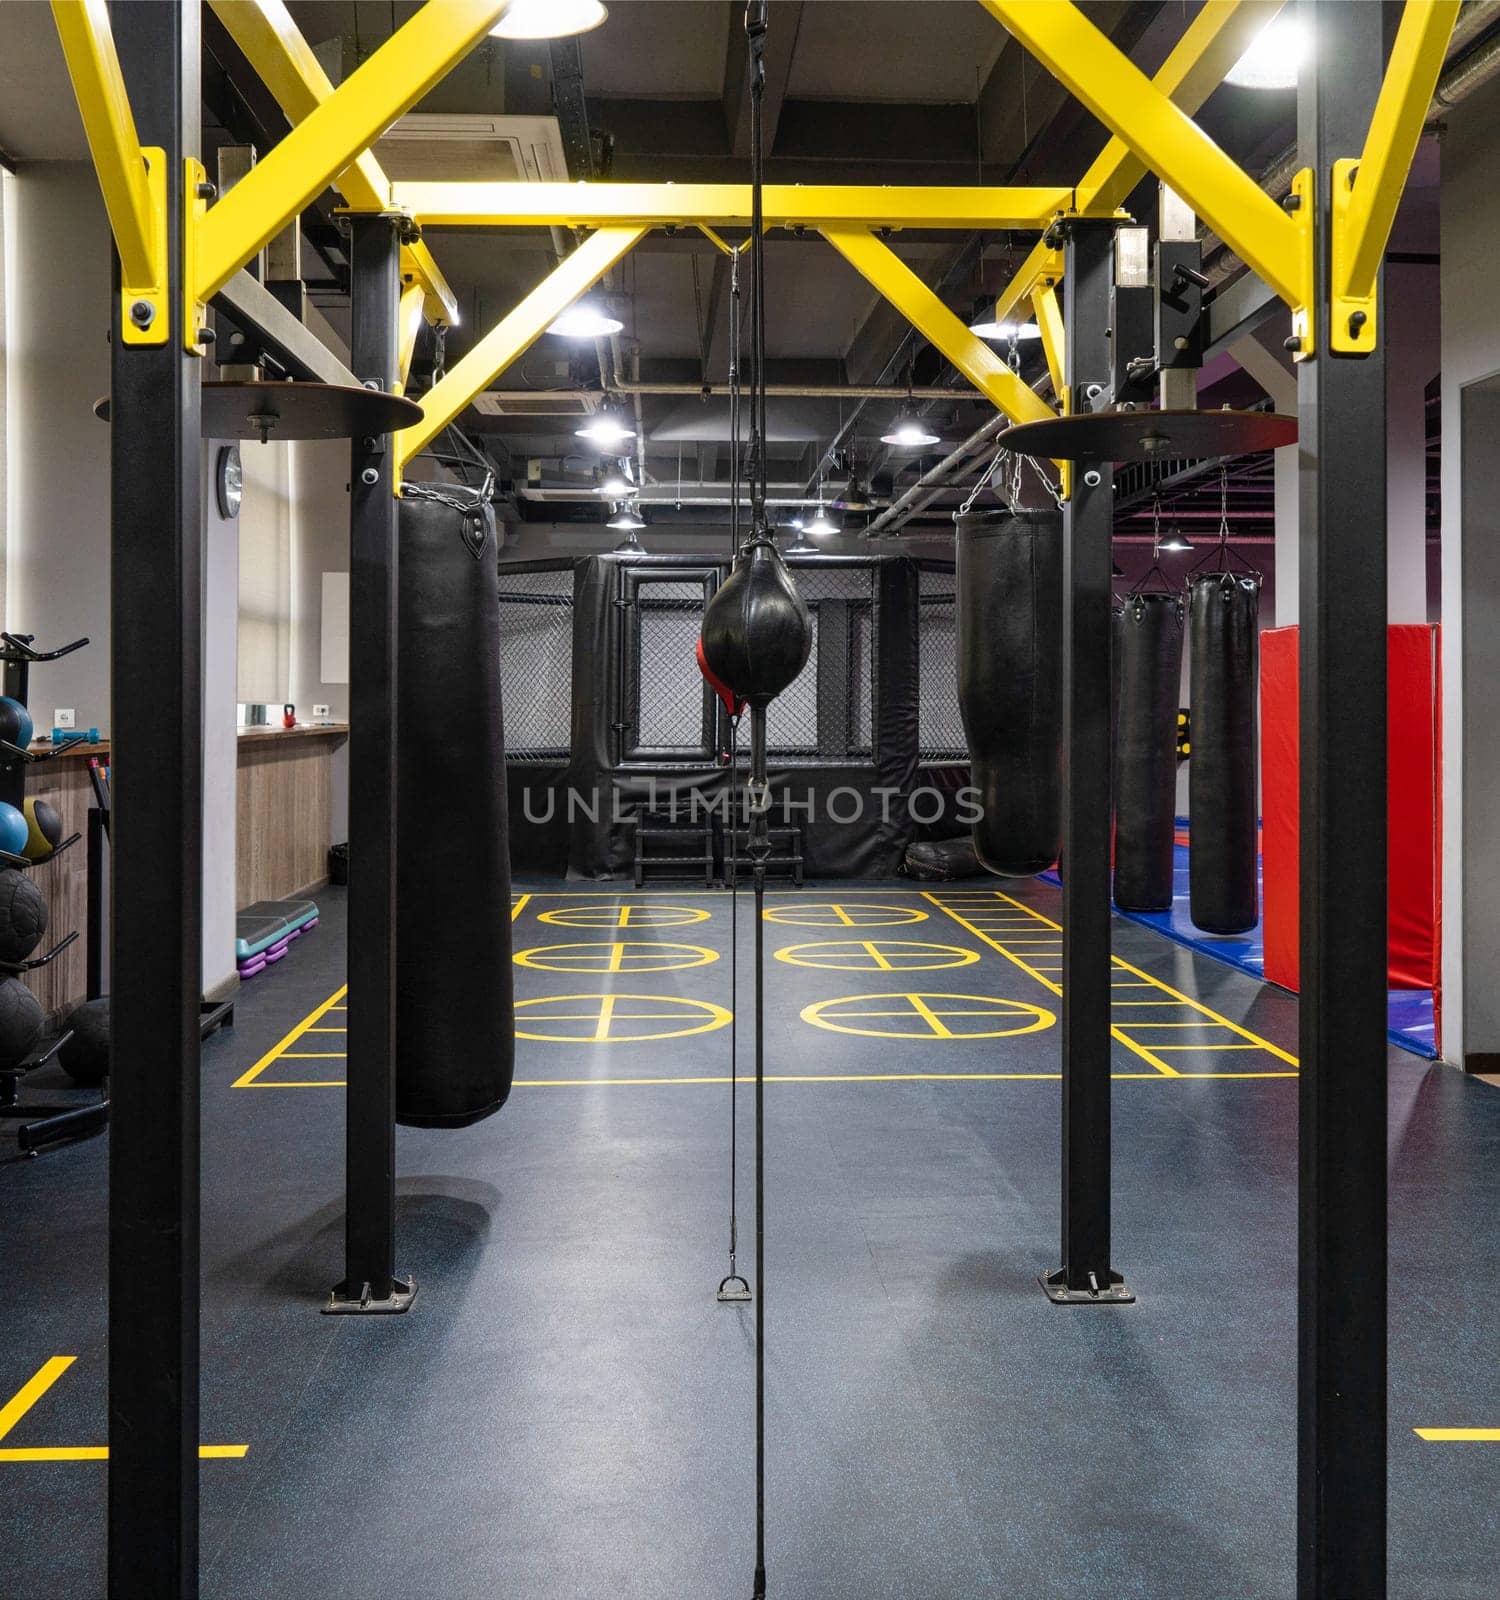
(470, 147)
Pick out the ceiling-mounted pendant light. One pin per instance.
(854, 496)
(1177, 542)
(584, 321)
(614, 486)
(907, 432)
(1004, 332)
(801, 545)
(820, 522)
(549, 19)
(627, 518)
(1273, 58)
(604, 429)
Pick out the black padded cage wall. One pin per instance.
(871, 721)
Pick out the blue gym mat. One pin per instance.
(1409, 1018)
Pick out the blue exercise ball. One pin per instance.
(15, 722)
(14, 829)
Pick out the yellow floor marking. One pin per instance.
(920, 1006)
(844, 917)
(36, 1386)
(314, 1055)
(606, 1012)
(333, 1003)
(519, 907)
(616, 956)
(1458, 1435)
(873, 950)
(1043, 972)
(854, 1077)
(326, 1030)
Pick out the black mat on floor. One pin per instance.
(566, 1412)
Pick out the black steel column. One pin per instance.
(1086, 1276)
(1341, 1399)
(370, 1283)
(156, 712)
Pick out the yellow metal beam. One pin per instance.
(133, 180)
(1366, 192)
(1214, 40)
(1048, 314)
(409, 318)
(513, 335)
(878, 263)
(336, 131)
(275, 47)
(1165, 139)
(720, 205)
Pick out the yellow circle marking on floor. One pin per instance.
(624, 916)
(615, 1018)
(844, 914)
(927, 1016)
(628, 955)
(876, 955)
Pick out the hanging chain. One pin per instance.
(983, 483)
(1010, 493)
(1223, 506)
(1013, 354)
(1156, 527)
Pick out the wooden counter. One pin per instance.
(284, 800)
(284, 789)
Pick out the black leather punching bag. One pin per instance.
(1009, 589)
(455, 1031)
(757, 634)
(1223, 624)
(1146, 758)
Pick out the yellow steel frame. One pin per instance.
(1212, 43)
(512, 336)
(274, 46)
(1149, 119)
(1143, 117)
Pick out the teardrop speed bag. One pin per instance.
(455, 1018)
(1223, 625)
(1009, 585)
(1146, 757)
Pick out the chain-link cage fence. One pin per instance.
(671, 717)
(536, 662)
(827, 715)
(940, 724)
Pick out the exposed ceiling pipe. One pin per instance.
(776, 391)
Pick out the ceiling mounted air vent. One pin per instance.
(538, 403)
(451, 147)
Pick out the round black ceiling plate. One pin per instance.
(1151, 435)
(269, 411)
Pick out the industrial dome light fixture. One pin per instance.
(604, 429)
(584, 321)
(1273, 58)
(820, 522)
(549, 19)
(1177, 542)
(907, 432)
(615, 485)
(853, 496)
(1003, 332)
(801, 545)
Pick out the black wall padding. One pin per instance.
(1146, 756)
(1009, 598)
(455, 1031)
(1223, 623)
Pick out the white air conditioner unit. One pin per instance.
(538, 403)
(452, 147)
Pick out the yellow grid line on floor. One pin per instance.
(993, 912)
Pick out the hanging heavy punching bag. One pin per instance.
(1009, 597)
(1146, 758)
(1223, 609)
(455, 1028)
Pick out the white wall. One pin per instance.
(56, 367)
(1470, 585)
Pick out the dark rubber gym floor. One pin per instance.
(566, 1412)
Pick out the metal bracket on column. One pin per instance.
(341, 1303)
(196, 193)
(144, 309)
(1351, 315)
(1111, 1293)
(1302, 203)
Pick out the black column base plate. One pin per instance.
(1112, 1292)
(342, 1304)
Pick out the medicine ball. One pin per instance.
(21, 1021)
(23, 915)
(85, 1057)
(43, 830)
(15, 722)
(14, 829)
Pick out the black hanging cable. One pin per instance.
(759, 840)
(733, 1289)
